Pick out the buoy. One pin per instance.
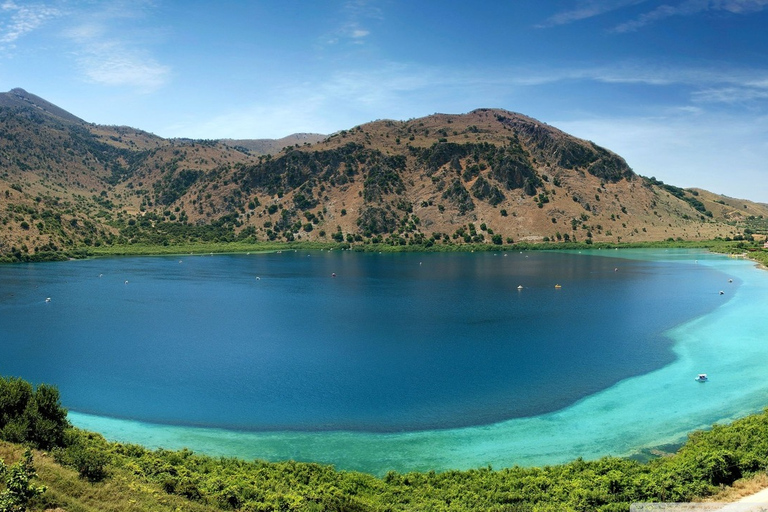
(722, 292)
(126, 281)
(333, 274)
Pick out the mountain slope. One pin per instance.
(273, 146)
(487, 176)
(19, 98)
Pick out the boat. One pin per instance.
(558, 286)
(702, 377)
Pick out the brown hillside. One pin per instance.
(273, 146)
(487, 176)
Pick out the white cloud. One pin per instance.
(716, 84)
(398, 91)
(109, 64)
(354, 15)
(740, 6)
(358, 9)
(22, 19)
(586, 9)
(690, 7)
(323, 105)
(730, 95)
(116, 57)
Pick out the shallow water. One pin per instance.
(451, 319)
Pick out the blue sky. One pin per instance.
(677, 87)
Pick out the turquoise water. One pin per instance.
(654, 315)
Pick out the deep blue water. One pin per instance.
(393, 342)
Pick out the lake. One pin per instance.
(385, 361)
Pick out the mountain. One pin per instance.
(487, 176)
(272, 146)
(19, 98)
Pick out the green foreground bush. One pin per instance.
(32, 416)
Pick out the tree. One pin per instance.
(15, 394)
(47, 419)
(31, 416)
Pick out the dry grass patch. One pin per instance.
(741, 488)
(120, 492)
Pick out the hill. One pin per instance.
(19, 98)
(273, 146)
(489, 176)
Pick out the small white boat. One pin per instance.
(702, 377)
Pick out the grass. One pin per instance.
(740, 489)
(720, 246)
(121, 492)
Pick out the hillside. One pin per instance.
(273, 146)
(489, 176)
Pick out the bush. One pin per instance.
(31, 416)
(91, 464)
(18, 489)
(86, 452)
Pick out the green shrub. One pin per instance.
(18, 487)
(30, 415)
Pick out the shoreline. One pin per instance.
(717, 246)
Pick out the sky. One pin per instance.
(679, 88)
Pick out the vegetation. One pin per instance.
(29, 415)
(19, 489)
(89, 473)
(680, 193)
(71, 188)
